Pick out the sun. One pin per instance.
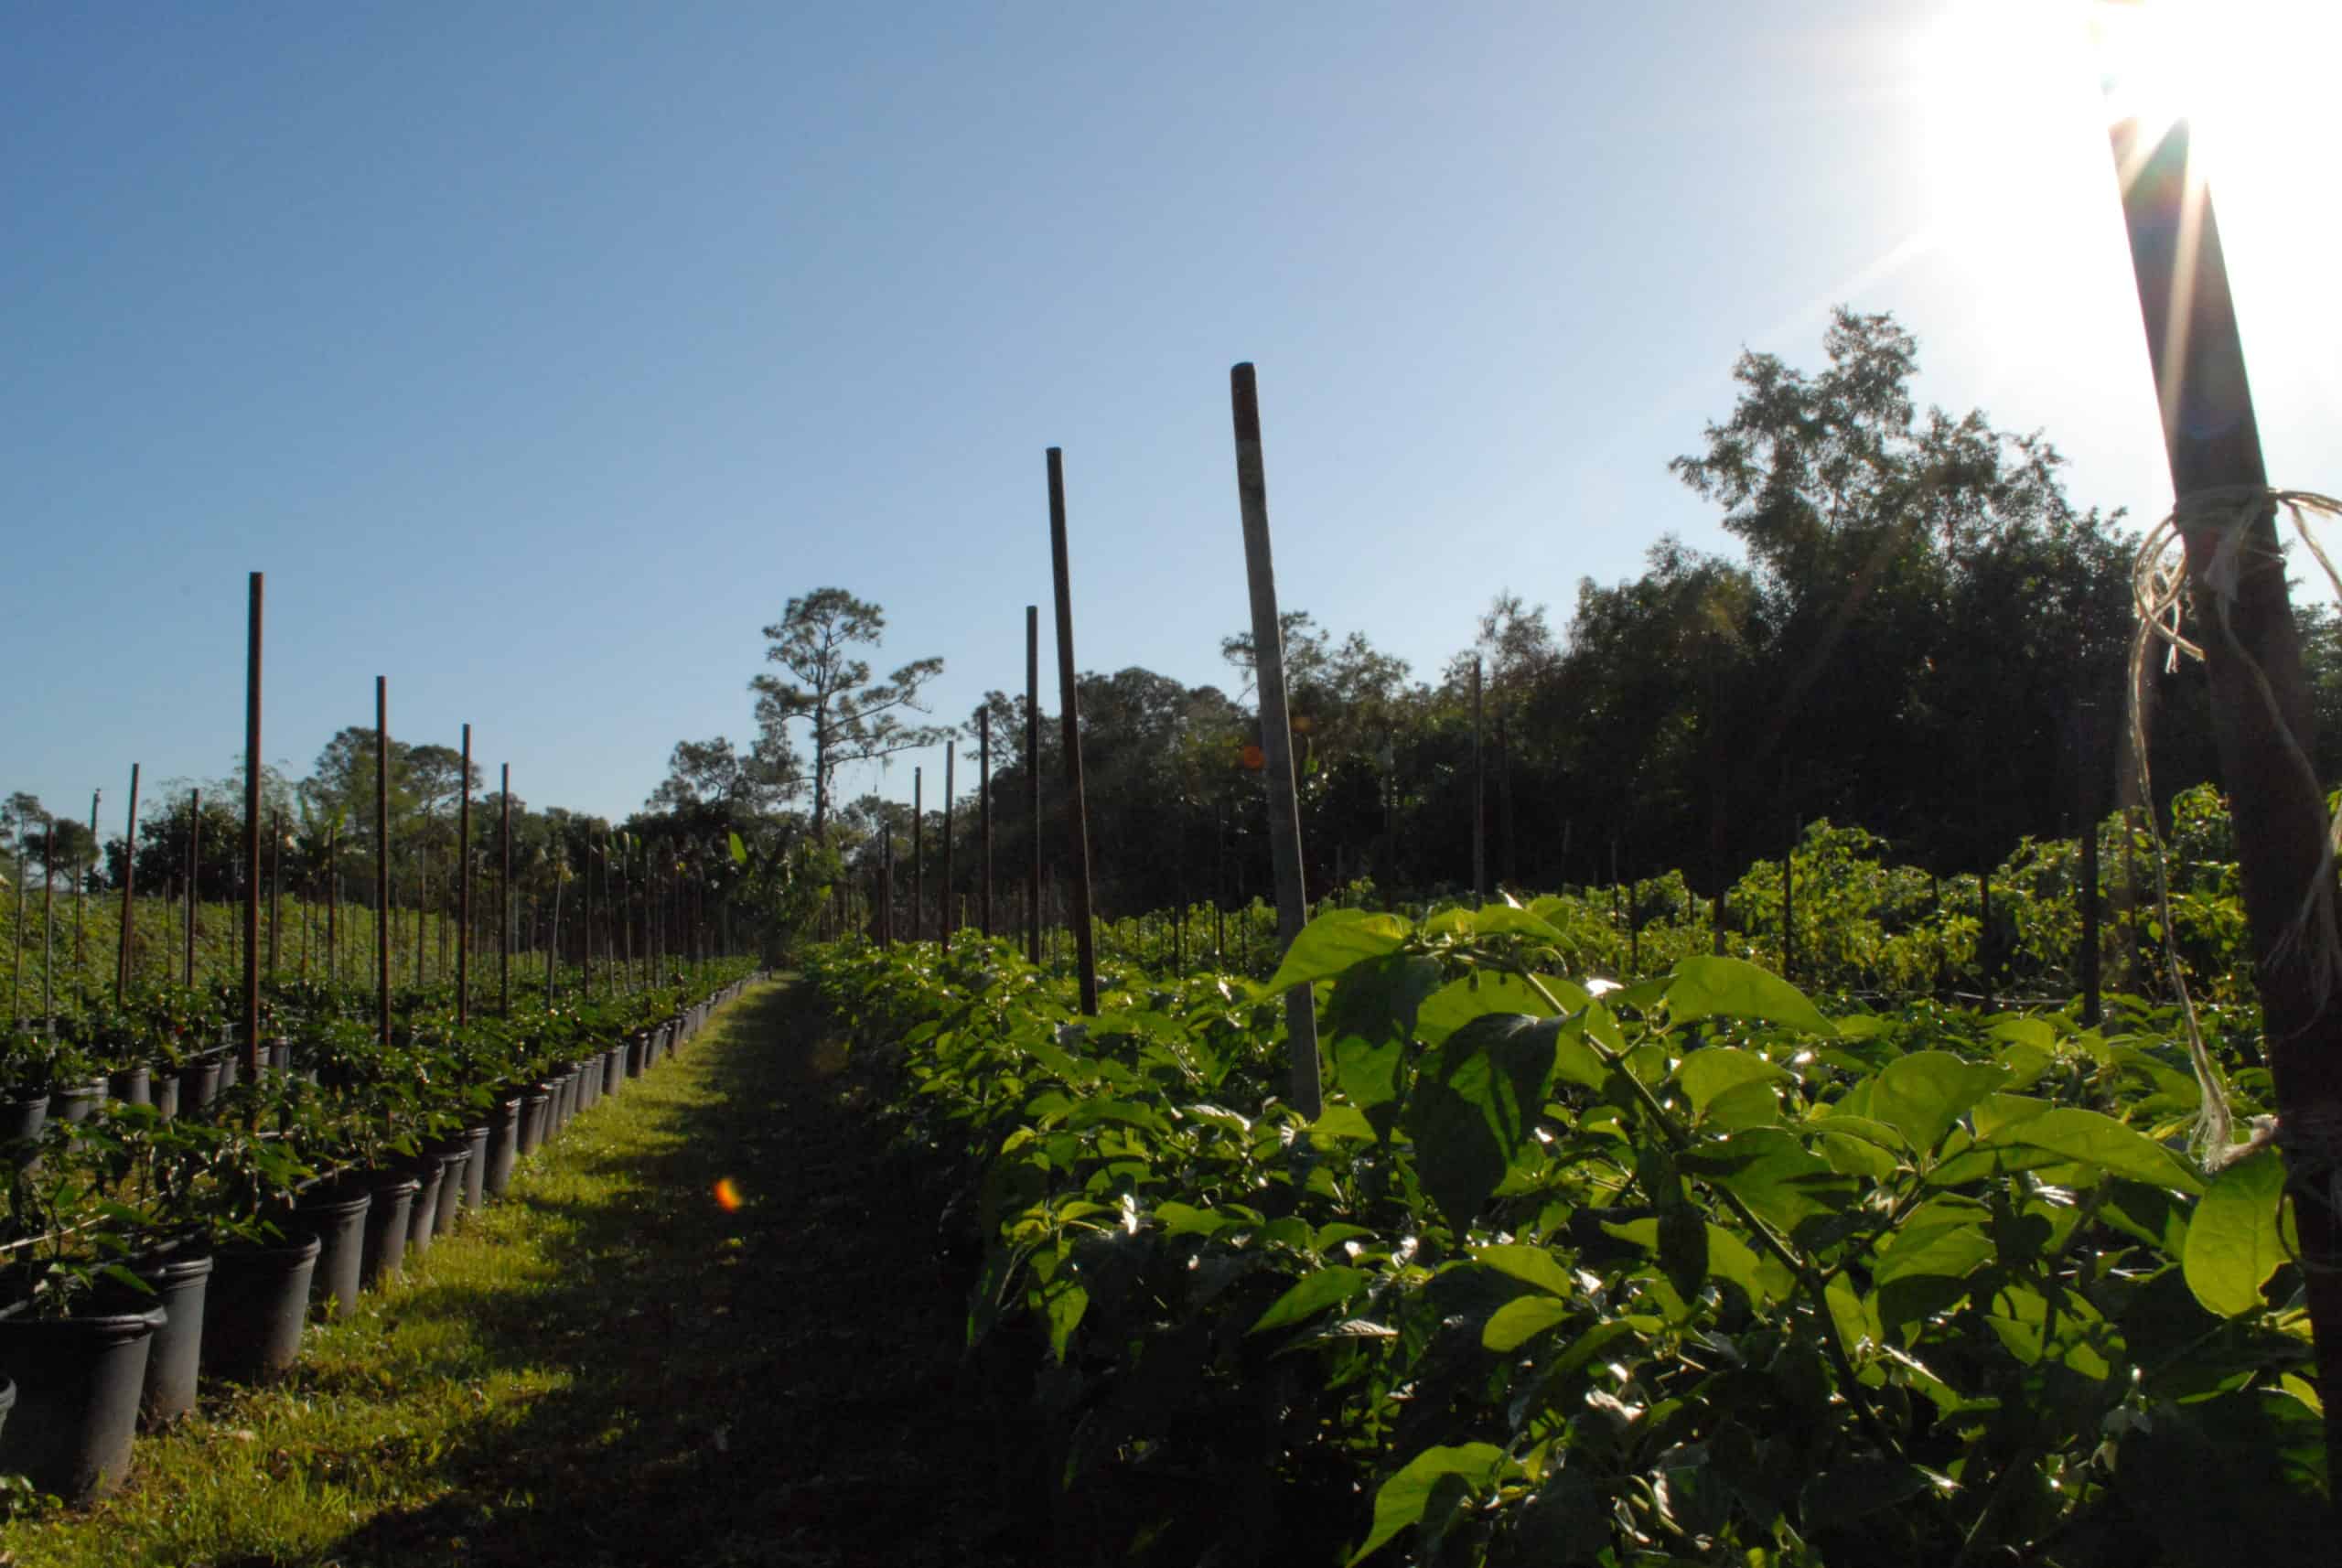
(2245, 75)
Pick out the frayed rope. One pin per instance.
(2159, 584)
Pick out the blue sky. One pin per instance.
(541, 353)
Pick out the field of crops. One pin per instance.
(1693, 1268)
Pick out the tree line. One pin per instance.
(1923, 634)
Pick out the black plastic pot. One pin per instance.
(78, 1381)
(614, 1069)
(388, 1221)
(336, 1216)
(198, 1082)
(637, 1054)
(423, 1219)
(254, 1310)
(476, 1168)
(22, 1116)
(132, 1085)
(454, 1161)
(536, 1108)
(180, 1276)
(503, 1144)
(76, 1102)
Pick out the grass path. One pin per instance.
(611, 1367)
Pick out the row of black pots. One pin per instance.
(74, 1389)
(26, 1109)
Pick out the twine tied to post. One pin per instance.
(2160, 582)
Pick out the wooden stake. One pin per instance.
(1277, 734)
(1069, 718)
(1033, 783)
(382, 854)
(193, 873)
(464, 894)
(2213, 442)
(947, 911)
(1479, 799)
(983, 808)
(919, 856)
(251, 830)
(504, 901)
(129, 891)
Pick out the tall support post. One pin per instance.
(983, 809)
(1479, 798)
(2261, 711)
(275, 885)
(464, 891)
(81, 888)
(887, 907)
(2086, 754)
(1714, 722)
(48, 926)
(1276, 733)
(585, 922)
(1788, 882)
(382, 855)
(945, 913)
(17, 974)
(1070, 720)
(333, 902)
(1033, 783)
(919, 855)
(194, 874)
(504, 900)
(252, 829)
(129, 892)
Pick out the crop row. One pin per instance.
(172, 1215)
(1684, 1271)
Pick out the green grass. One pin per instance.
(608, 1367)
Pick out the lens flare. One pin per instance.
(727, 1195)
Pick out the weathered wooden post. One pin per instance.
(129, 890)
(252, 827)
(2261, 711)
(194, 874)
(464, 890)
(82, 868)
(1033, 783)
(944, 914)
(1479, 798)
(984, 807)
(382, 855)
(2086, 886)
(504, 898)
(275, 885)
(1277, 734)
(1070, 720)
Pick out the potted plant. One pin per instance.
(77, 1358)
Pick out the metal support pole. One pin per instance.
(464, 891)
(983, 808)
(251, 830)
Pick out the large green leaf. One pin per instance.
(1312, 1295)
(1333, 942)
(1772, 1172)
(1475, 1105)
(1516, 1323)
(1708, 1074)
(2100, 1141)
(1477, 995)
(1711, 987)
(2233, 1241)
(1529, 1265)
(1922, 1094)
(1369, 1022)
(1399, 1501)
